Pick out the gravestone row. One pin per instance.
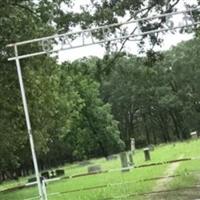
(127, 160)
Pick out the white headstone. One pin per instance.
(132, 144)
(124, 161)
(194, 135)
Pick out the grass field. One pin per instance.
(118, 184)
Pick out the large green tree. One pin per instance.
(156, 99)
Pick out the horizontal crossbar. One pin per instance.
(105, 27)
(65, 41)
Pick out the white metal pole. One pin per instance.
(28, 124)
(44, 189)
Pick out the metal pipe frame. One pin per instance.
(107, 26)
(65, 38)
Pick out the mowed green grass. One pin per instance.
(183, 186)
(119, 184)
(189, 171)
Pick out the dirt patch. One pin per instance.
(185, 194)
(161, 184)
(189, 193)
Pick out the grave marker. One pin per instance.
(147, 154)
(124, 161)
(130, 156)
(133, 145)
(194, 135)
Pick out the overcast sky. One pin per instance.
(96, 50)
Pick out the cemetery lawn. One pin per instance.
(116, 183)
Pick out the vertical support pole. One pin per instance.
(28, 124)
(44, 189)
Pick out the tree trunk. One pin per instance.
(175, 122)
(148, 140)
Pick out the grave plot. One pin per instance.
(168, 172)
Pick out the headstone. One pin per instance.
(124, 161)
(194, 135)
(198, 134)
(133, 145)
(31, 180)
(94, 169)
(130, 156)
(147, 154)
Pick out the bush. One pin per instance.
(60, 172)
(31, 180)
